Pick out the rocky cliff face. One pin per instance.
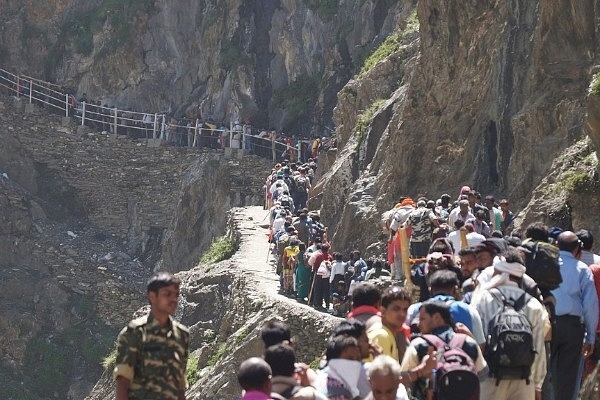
(277, 62)
(495, 92)
(85, 219)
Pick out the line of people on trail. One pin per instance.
(517, 312)
(537, 286)
(352, 367)
(308, 269)
(425, 220)
(497, 346)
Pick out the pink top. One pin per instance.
(255, 395)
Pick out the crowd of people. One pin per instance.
(495, 314)
(186, 131)
(461, 306)
(518, 309)
(308, 270)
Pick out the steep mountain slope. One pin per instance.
(489, 96)
(480, 93)
(84, 220)
(279, 63)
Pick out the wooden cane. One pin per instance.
(463, 238)
(405, 252)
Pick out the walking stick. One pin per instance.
(463, 238)
(268, 212)
(312, 287)
(268, 253)
(405, 254)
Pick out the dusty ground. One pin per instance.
(254, 252)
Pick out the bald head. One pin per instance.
(568, 241)
(254, 374)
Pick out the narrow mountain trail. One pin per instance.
(254, 253)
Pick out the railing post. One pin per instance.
(18, 86)
(30, 91)
(195, 133)
(116, 121)
(243, 146)
(273, 152)
(154, 126)
(82, 113)
(66, 104)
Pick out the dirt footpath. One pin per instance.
(254, 253)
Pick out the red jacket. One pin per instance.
(319, 259)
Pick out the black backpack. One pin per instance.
(542, 264)
(300, 184)
(287, 393)
(509, 350)
(455, 376)
(286, 202)
(290, 182)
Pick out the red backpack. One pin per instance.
(455, 377)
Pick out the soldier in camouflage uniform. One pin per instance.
(152, 351)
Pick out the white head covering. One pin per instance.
(512, 268)
(506, 269)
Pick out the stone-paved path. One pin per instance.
(254, 253)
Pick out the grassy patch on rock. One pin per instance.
(392, 43)
(110, 360)
(579, 182)
(221, 249)
(218, 355)
(191, 371)
(366, 117)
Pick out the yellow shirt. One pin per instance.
(383, 337)
(292, 251)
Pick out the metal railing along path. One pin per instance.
(147, 125)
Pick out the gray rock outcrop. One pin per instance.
(277, 62)
(84, 220)
(494, 94)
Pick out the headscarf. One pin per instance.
(506, 269)
(464, 190)
(407, 202)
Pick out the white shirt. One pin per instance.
(347, 372)
(474, 238)
(487, 305)
(278, 224)
(337, 268)
(589, 258)
(313, 257)
(283, 185)
(455, 215)
(400, 216)
(454, 238)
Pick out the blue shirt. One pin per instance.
(459, 310)
(576, 295)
